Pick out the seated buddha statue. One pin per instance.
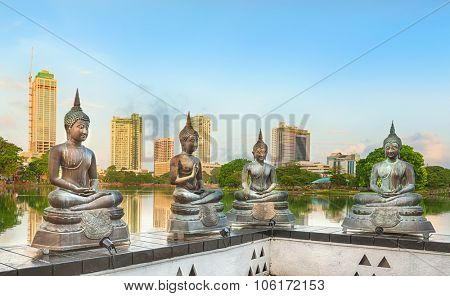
(258, 203)
(393, 207)
(263, 178)
(195, 209)
(78, 184)
(397, 179)
(80, 214)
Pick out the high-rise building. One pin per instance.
(202, 125)
(126, 142)
(162, 153)
(343, 164)
(289, 144)
(42, 113)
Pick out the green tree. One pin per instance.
(229, 174)
(10, 161)
(437, 177)
(214, 177)
(111, 175)
(163, 179)
(407, 153)
(292, 175)
(38, 167)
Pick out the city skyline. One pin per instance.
(247, 67)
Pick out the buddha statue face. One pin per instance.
(79, 131)
(259, 153)
(189, 144)
(391, 150)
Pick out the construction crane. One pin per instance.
(30, 101)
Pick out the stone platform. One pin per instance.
(71, 230)
(189, 219)
(322, 251)
(405, 220)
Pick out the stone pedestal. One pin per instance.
(258, 215)
(65, 230)
(196, 219)
(406, 220)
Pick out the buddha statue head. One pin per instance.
(188, 137)
(260, 149)
(76, 122)
(392, 144)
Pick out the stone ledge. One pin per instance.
(153, 246)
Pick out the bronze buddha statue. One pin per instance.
(259, 202)
(80, 213)
(195, 209)
(393, 207)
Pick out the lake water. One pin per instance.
(148, 208)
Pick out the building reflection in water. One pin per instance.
(35, 220)
(161, 210)
(132, 208)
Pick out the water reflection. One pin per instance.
(144, 209)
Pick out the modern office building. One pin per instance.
(126, 142)
(343, 164)
(162, 153)
(42, 113)
(289, 144)
(202, 125)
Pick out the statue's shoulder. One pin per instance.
(406, 164)
(57, 148)
(270, 166)
(378, 164)
(89, 151)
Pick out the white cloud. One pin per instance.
(9, 84)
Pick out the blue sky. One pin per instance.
(239, 57)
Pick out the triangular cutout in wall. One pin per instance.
(250, 272)
(262, 253)
(365, 261)
(179, 272)
(264, 267)
(254, 255)
(356, 274)
(193, 272)
(384, 263)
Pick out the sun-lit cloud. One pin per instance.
(435, 151)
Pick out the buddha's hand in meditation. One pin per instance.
(391, 194)
(84, 191)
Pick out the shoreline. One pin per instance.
(291, 190)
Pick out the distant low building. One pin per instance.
(344, 164)
(208, 167)
(28, 156)
(314, 167)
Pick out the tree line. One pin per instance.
(12, 169)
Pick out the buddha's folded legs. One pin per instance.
(66, 200)
(105, 199)
(368, 198)
(184, 196)
(209, 196)
(272, 196)
(403, 200)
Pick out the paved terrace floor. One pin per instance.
(153, 246)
